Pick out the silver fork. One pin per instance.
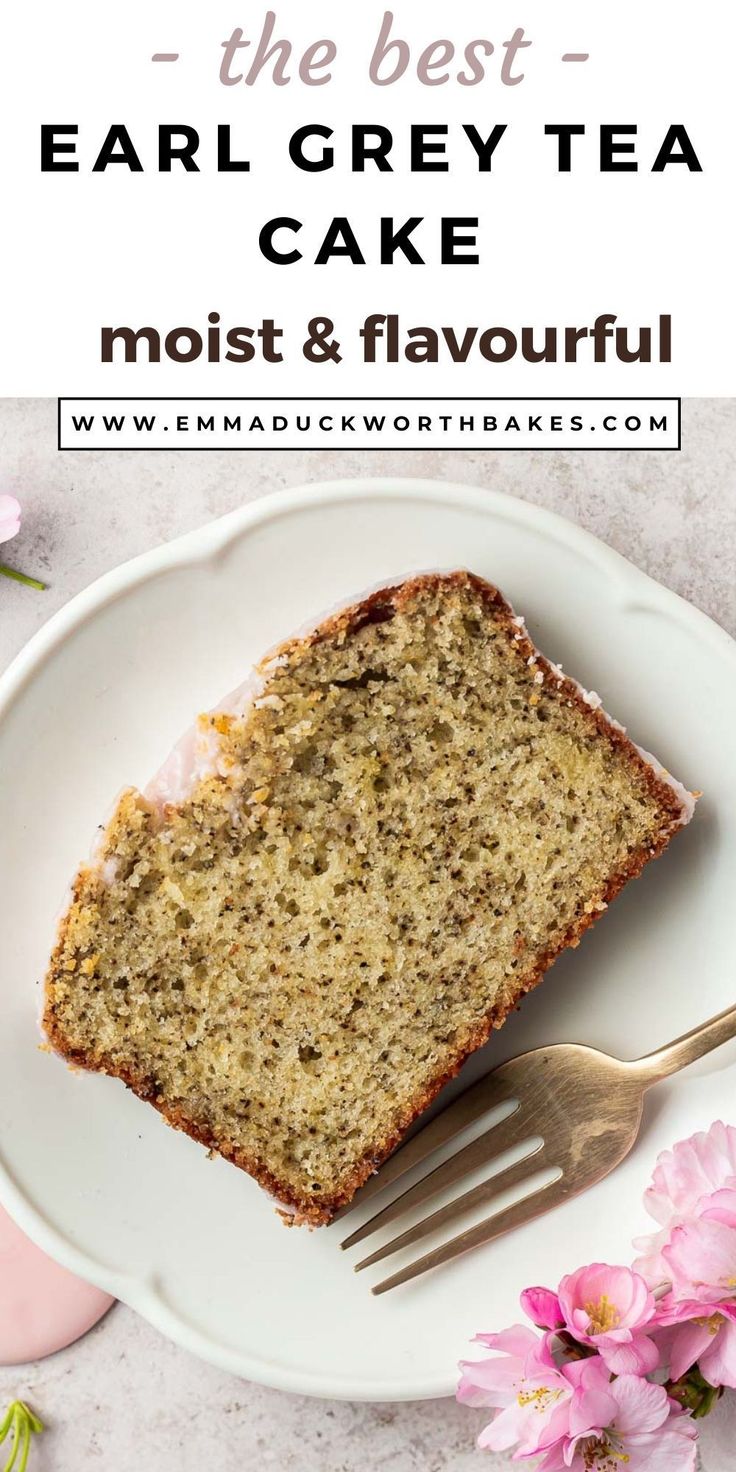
(584, 1106)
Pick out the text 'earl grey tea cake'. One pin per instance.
(343, 882)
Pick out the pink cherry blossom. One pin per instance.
(700, 1309)
(584, 1419)
(644, 1431)
(9, 518)
(608, 1308)
(522, 1383)
(645, 1434)
(684, 1182)
(542, 1306)
(617, 1372)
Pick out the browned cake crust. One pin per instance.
(378, 608)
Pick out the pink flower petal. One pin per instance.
(718, 1362)
(494, 1379)
(591, 1411)
(517, 1340)
(672, 1449)
(593, 1404)
(641, 1406)
(502, 1432)
(639, 1357)
(542, 1307)
(552, 1461)
(9, 518)
(689, 1341)
(701, 1256)
(650, 1263)
(720, 1206)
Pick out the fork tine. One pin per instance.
(534, 1204)
(488, 1145)
(479, 1099)
(514, 1175)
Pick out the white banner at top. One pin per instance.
(323, 199)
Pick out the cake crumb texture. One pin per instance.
(402, 833)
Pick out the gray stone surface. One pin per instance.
(124, 1397)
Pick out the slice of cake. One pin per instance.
(360, 872)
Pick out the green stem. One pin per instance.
(710, 1399)
(20, 1421)
(694, 1393)
(21, 577)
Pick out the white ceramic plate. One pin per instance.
(96, 700)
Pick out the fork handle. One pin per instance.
(688, 1048)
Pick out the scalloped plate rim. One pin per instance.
(200, 546)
